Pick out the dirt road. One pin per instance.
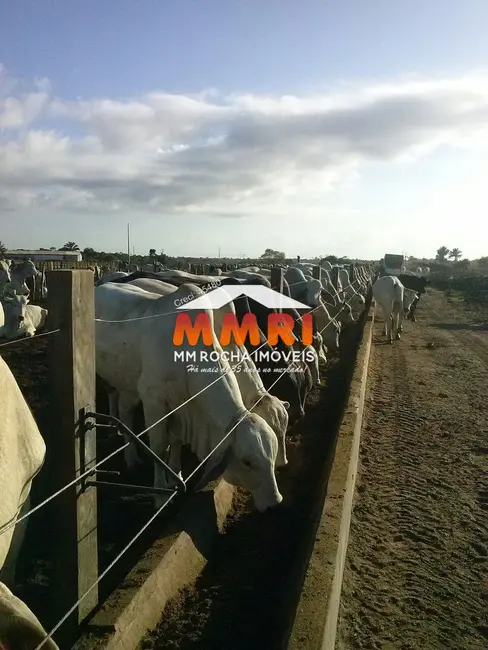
(416, 574)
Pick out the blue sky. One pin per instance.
(380, 143)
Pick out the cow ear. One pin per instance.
(286, 404)
(214, 467)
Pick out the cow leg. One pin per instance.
(399, 321)
(395, 332)
(174, 457)
(385, 318)
(113, 403)
(389, 326)
(412, 310)
(127, 403)
(154, 410)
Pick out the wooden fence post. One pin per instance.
(334, 276)
(277, 280)
(72, 379)
(316, 272)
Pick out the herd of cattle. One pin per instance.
(254, 400)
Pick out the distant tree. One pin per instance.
(271, 255)
(89, 253)
(455, 254)
(463, 265)
(442, 254)
(3, 248)
(331, 258)
(152, 252)
(70, 246)
(482, 263)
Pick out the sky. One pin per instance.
(314, 127)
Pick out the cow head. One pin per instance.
(423, 282)
(331, 334)
(14, 307)
(253, 461)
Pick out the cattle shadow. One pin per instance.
(473, 327)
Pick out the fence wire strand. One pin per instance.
(29, 338)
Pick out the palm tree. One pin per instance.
(3, 248)
(70, 246)
(455, 254)
(442, 253)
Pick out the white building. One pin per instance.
(43, 256)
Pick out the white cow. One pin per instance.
(108, 277)
(306, 290)
(19, 275)
(270, 408)
(328, 286)
(12, 315)
(4, 274)
(22, 452)
(250, 269)
(341, 312)
(388, 292)
(35, 318)
(327, 326)
(305, 267)
(248, 275)
(18, 318)
(137, 359)
(351, 294)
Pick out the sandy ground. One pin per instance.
(416, 572)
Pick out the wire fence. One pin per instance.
(152, 518)
(147, 429)
(92, 470)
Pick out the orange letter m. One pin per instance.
(184, 326)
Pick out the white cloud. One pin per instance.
(232, 155)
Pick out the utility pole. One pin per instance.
(128, 242)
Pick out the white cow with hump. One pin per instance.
(22, 452)
(351, 292)
(136, 357)
(5, 276)
(18, 318)
(388, 293)
(270, 407)
(302, 288)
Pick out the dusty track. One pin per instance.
(417, 560)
